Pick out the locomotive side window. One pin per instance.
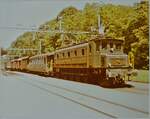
(37, 60)
(102, 61)
(90, 48)
(34, 61)
(44, 60)
(68, 54)
(82, 51)
(57, 56)
(75, 53)
(63, 54)
(97, 46)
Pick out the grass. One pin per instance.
(142, 76)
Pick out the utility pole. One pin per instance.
(0, 60)
(60, 30)
(40, 46)
(40, 42)
(100, 26)
(60, 24)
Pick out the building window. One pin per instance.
(82, 51)
(75, 53)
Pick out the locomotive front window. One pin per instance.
(104, 45)
(118, 46)
(111, 45)
(97, 46)
(97, 43)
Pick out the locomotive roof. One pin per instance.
(82, 44)
(22, 58)
(109, 39)
(101, 38)
(94, 38)
(73, 46)
(46, 54)
(19, 59)
(13, 60)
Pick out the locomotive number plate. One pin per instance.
(116, 61)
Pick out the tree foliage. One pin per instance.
(137, 35)
(126, 22)
(3, 51)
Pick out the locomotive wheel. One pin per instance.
(108, 83)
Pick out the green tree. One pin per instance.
(119, 21)
(137, 36)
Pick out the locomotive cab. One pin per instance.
(110, 57)
(114, 60)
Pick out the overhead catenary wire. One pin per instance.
(38, 30)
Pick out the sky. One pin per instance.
(29, 13)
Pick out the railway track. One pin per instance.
(128, 90)
(69, 99)
(90, 96)
(41, 85)
(56, 90)
(134, 90)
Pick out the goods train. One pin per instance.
(99, 60)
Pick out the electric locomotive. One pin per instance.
(99, 60)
